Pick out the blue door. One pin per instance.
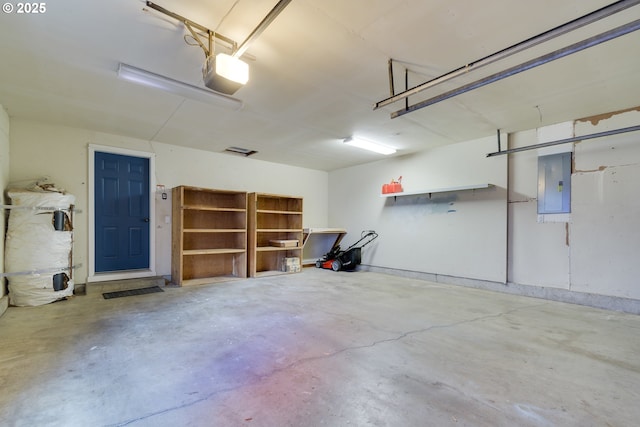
(121, 212)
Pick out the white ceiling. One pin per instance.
(316, 72)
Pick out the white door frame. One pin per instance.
(133, 274)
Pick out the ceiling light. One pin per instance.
(225, 73)
(368, 145)
(176, 87)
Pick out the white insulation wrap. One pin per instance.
(35, 251)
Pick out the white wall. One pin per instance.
(605, 229)
(4, 179)
(39, 149)
(538, 252)
(589, 258)
(460, 234)
(596, 251)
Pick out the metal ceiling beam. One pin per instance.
(560, 53)
(261, 27)
(511, 50)
(236, 51)
(190, 25)
(566, 141)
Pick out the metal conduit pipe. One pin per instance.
(567, 140)
(511, 50)
(560, 53)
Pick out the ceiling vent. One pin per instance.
(245, 152)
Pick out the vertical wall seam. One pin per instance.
(507, 222)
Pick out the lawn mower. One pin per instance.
(337, 259)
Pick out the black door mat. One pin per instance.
(131, 292)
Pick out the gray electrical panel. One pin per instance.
(554, 183)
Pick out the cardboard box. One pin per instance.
(284, 243)
(291, 265)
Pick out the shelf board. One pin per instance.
(271, 211)
(210, 280)
(209, 208)
(215, 230)
(266, 273)
(213, 251)
(279, 230)
(438, 190)
(277, 248)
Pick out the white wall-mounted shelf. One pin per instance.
(438, 190)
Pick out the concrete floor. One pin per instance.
(318, 349)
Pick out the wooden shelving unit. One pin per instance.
(209, 235)
(274, 218)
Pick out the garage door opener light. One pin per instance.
(224, 73)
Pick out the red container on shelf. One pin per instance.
(393, 187)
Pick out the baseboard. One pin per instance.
(606, 302)
(79, 288)
(4, 304)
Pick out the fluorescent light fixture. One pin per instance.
(225, 73)
(147, 78)
(368, 145)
